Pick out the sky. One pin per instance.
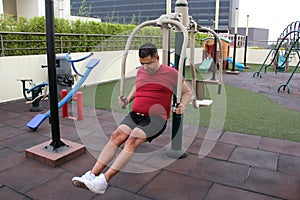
(269, 14)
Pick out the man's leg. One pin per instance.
(118, 137)
(136, 138)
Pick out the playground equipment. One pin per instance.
(38, 119)
(206, 65)
(240, 66)
(286, 48)
(184, 27)
(209, 51)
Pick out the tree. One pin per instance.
(84, 9)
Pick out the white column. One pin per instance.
(168, 7)
(236, 21)
(1, 7)
(217, 15)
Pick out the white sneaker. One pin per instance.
(97, 185)
(80, 181)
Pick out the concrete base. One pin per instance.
(36, 109)
(233, 72)
(44, 153)
(176, 154)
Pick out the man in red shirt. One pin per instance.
(152, 95)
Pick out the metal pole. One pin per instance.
(215, 41)
(235, 38)
(168, 12)
(2, 45)
(246, 42)
(50, 35)
(177, 151)
(166, 37)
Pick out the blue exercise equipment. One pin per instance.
(39, 118)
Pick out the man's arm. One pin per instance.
(131, 95)
(185, 98)
(129, 98)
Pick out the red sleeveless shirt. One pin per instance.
(154, 91)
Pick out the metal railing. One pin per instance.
(27, 43)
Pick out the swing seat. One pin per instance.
(199, 94)
(204, 102)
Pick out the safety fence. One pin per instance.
(26, 43)
(32, 43)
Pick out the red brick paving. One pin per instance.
(240, 166)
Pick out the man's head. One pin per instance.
(149, 58)
(148, 50)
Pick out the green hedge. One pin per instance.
(83, 36)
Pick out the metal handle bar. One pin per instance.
(77, 60)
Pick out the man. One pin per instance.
(151, 108)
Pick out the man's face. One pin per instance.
(150, 64)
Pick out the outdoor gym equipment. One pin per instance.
(34, 94)
(65, 109)
(39, 92)
(38, 119)
(182, 24)
(163, 21)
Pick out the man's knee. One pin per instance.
(136, 138)
(120, 135)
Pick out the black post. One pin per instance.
(245, 53)
(215, 60)
(246, 42)
(177, 151)
(234, 52)
(51, 62)
(235, 38)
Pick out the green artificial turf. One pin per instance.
(236, 110)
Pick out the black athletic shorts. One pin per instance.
(153, 126)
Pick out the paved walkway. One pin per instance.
(268, 85)
(239, 166)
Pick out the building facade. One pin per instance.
(33, 8)
(137, 11)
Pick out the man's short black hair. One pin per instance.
(147, 50)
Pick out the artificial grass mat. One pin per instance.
(241, 110)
